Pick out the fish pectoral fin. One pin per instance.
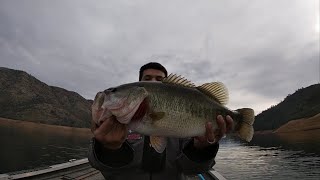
(215, 90)
(155, 116)
(158, 143)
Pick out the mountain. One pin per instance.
(304, 103)
(23, 97)
(304, 124)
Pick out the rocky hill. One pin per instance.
(304, 124)
(302, 104)
(23, 97)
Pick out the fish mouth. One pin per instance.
(126, 105)
(141, 111)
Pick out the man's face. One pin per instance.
(152, 75)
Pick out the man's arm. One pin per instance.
(198, 154)
(109, 152)
(108, 157)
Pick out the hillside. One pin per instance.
(304, 124)
(304, 103)
(23, 97)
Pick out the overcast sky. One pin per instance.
(261, 50)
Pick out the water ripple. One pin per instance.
(239, 161)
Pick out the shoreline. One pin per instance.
(296, 126)
(293, 126)
(28, 124)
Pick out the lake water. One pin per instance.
(285, 156)
(293, 156)
(31, 146)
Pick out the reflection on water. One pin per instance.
(286, 156)
(31, 146)
(270, 157)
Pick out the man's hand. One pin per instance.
(110, 133)
(211, 137)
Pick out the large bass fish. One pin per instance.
(174, 107)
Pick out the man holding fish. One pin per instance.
(162, 127)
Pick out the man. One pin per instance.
(119, 155)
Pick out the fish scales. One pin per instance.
(170, 109)
(186, 109)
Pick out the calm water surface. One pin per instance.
(289, 156)
(295, 156)
(33, 146)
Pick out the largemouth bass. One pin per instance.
(174, 107)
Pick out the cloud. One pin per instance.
(262, 50)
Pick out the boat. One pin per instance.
(82, 170)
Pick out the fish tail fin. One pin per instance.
(245, 128)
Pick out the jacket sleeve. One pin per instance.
(192, 160)
(110, 162)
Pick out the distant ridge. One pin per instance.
(23, 97)
(304, 124)
(302, 104)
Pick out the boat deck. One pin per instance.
(77, 170)
(81, 170)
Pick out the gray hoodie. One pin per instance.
(136, 160)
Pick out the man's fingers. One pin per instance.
(115, 139)
(209, 132)
(106, 126)
(211, 135)
(123, 129)
(222, 126)
(93, 126)
(120, 130)
(229, 123)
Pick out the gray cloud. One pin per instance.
(261, 50)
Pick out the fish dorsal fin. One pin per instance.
(216, 90)
(178, 80)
